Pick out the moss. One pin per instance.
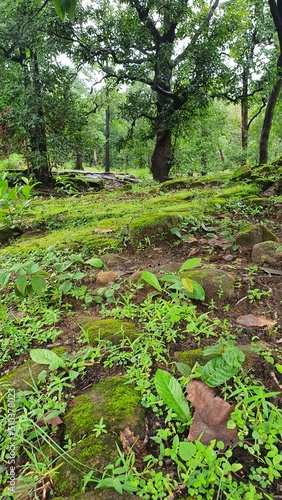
(109, 329)
(253, 234)
(218, 285)
(258, 201)
(192, 357)
(119, 405)
(240, 173)
(156, 228)
(177, 183)
(110, 399)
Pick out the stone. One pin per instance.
(252, 235)
(153, 229)
(218, 284)
(266, 252)
(105, 277)
(118, 403)
(108, 329)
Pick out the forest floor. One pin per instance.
(210, 237)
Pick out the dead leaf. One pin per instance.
(192, 252)
(228, 257)
(252, 320)
(101, 230)
(54, 421)
(130, 443)
(211, 415)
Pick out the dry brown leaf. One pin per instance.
(192, 252)
(101, 230)
(252, 320)
(211, 415)
(130, 443)
(54, 421)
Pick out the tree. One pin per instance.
(172, 47)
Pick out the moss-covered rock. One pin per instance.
(155, 228)
(254, 234)
(177, 183)
(266, 252)
(119, 405)
(241, 173)
(258, 201)
(108, 329)
(24, 375)
(218, 284)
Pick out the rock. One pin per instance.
(105, 277)
(218, 284)
(178, 183)
(108, 329)
(266, 252)
(6, 233)
(154, 229)
(251, 235)
(241, 173)
(22, 377)
(120, 406)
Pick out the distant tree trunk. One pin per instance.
(107, 145)
(268, 117)
(78, 163)
(244, 114)
(38, 142)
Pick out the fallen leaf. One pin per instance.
(54, 421)
(130, 443)
(101, 230)
(252, 320)
(192, 252)
(228, 257)
(211, 415)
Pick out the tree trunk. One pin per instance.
(38, 142)
(268, 117)
(78, 163)
(244, 114)
(161, 159)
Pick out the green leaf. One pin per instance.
(171, 393)
(198, 292)
(151, 279)
(190, 264)
(216, 371)
(66, 286)
(4, 278)
(278, 368)
(187, 284)
(184, 369)
(21, 284)
(95, 262)
(39, 285)
(46, 357)
(186, 450)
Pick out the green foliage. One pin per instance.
(171, 392)
(14, 202)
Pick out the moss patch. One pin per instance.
(119, 405)
(156, 228)
(109, 329)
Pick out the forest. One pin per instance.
(140, 250)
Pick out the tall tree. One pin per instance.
(172, 47)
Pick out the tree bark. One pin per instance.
(268, 117)
(107, 145)
(78, 162)
(161, 158)
(37, 132)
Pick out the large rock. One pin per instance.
(153, 229)
(119, 405)
(108, 329)
(266, 252)
(254, 234)
(218, 284)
